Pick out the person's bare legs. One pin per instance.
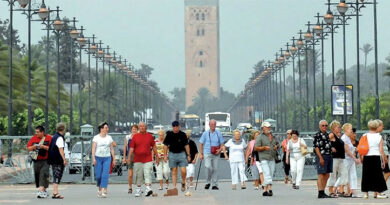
(191, 181)
(387, 175)
(261, 178)
(130, 178)
(161, 183)
(321, 181)
(183, 171)
(55, 188)
(174, 177)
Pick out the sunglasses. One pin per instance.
(288, 133)
(324, 125)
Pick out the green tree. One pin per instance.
(367, 48)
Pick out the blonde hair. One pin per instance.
(188, 133)
(373, 124)
(236, 130)
(161, 131)
(346, 126)
(380, 122)
(253, 133)
(334, 124)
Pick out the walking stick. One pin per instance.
(200, 165)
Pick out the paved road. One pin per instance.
(86, 194)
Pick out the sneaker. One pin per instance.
(160, 188)
(265, 193)
(207, 186)
(356, 196)
(39, 194)
(381, 196)
(99, 194)
(130, 191)
(148, 191)
(137, 192)
(215, 188)
(256, 188)
(324, 196)
(270, 193)
(296, 187)
(104, 195)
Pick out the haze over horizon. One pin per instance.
(152, 32)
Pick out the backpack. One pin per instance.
(363, 146)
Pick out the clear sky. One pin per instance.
(152, 32)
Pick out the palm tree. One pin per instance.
(367, 48)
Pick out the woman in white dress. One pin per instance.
(236, 158)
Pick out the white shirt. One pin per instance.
(295, 148)
(60, 142)
(236, 151)
(347, 141)
(373, 143)
(102, 145)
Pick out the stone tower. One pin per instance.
(201, 47)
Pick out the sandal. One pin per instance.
(333, 195)
(57, 196)
(130, 191)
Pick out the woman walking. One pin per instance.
(286, 166)
(257, 172)
(126, 151)
(339, 173)
(163, 167)
(295, 158)
(350, 160)
(373, 179)
(102, 150)
(236, 158)
(386, 170)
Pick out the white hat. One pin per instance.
(265, 124)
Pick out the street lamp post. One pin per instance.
(81, 40)
(300, 45)
(74, 34)
(293, 51)
(342, 8)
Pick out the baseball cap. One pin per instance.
(265, 124)
(175, 123)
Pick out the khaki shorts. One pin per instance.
(143, 171)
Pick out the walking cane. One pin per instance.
(200, 165)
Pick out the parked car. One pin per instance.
(75, 162)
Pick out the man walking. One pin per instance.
(194, 157)
(211, 145)
(140, 146)
(39, 143)
(179, 153)
(324, 160)
(57, 158)
(266, 146)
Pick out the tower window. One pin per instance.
(201, 53)
(197, 16)
(201, 64)
(198, 32)
(203, 17)
(203, 32)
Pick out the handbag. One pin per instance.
(33, 155)
(214, 149)
(303, 150)
(278, 158)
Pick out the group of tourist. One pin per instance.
(336, 159)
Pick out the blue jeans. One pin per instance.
(102, 171)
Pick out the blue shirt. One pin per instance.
(209, 139)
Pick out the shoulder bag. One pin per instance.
(303, 149)
(33, 155)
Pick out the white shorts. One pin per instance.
(190, 170)
(258, 165)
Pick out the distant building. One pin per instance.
(201, 47)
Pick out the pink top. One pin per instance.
(251, 146)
